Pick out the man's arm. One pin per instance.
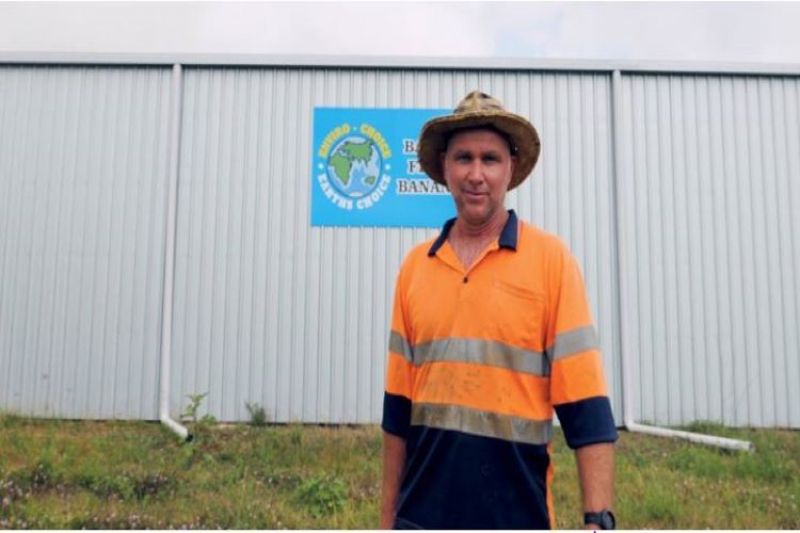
(596, 474)
(394, 459)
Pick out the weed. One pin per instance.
(191, 410)
(38, 478)
(10, 491)
(201, 425)
(151, 485)
(296, 436)
(107, 485)
(660, 505)
(283, 481)
(8, 421)
(321, 496)
(258, 416)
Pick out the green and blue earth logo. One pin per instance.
(352, 165)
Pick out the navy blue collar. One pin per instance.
(508, 237)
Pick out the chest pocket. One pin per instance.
(516, 314)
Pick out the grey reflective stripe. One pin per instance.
(484, 352)
(399, 345)
(572, 342)
(472, 421)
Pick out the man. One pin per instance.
(491, 330)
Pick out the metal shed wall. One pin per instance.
(710, 241)
(271, 310)
(678, 194)
(82, 174)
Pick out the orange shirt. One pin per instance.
(479, 358)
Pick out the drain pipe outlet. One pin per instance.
(169, 260)
(710, 440)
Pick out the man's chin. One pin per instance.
(475, 217)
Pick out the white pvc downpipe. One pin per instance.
(169, 259)
(627, 380)
(721, 442)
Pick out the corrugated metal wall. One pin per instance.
(268, 309)
(271, 310)
(711, 179)
(82, 203)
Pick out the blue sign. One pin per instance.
(365, 170)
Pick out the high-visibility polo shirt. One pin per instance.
(478, 359)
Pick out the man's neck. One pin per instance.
(489, 230)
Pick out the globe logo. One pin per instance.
(354, 166)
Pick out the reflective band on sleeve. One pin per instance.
(466, 420)
(483, 352)
(399, 345)
(572, 342)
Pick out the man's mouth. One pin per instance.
(474, 194)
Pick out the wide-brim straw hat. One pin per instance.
(475, 110)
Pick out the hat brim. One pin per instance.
(436, 132)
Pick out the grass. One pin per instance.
(117, 475)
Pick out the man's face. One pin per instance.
(477, 168)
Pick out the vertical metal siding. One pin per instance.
(711, 172)
(82, 173)
(273, 311)
(270, 310)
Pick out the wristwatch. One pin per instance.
(605, 519)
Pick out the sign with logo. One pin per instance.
(365, 170)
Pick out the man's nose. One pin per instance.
(476, 171)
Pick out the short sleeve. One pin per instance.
(577, 382)
(399, 368)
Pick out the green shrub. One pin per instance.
(258, 416)
(321, 496)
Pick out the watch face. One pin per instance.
(607, 520)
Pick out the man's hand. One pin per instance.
(394, 460)
(596, 474)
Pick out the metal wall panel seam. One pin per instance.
(729, 180)
(11, 248)
(7, 291)
(779, 325)
(793, 247)
(245, 330)
(682, 213)
(698, 367)
(84, 376)
(156, 168)
(713, 346)
(793, 104)
(20, 267)
(38, 187)
(756, 370)
(160, 171)
(108, 357)
(126, 373)
(16, 381)
(53, 196)
(744, 205)
(5, 208)
(771, 336)
(78, 133)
